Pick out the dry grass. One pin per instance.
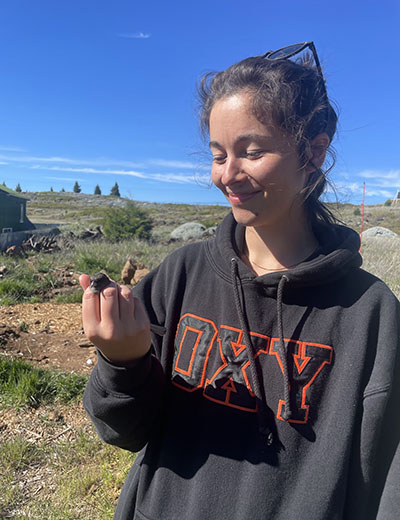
(54, 466)
(381, 257)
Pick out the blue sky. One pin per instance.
(101, 91)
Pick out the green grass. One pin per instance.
(32, 279)
(22, 384)
(27, 279)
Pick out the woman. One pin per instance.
(273, 392)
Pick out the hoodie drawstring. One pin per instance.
(263, 422)
(287, 412)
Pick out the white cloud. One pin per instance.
(379, 193)
(160, 177)
(178, 164)
(11, 149)
(66, 160)
(2, 162)
(381, 179)
(67, 179)
(139, 35)
(381, 175)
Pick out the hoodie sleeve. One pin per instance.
(374, 477)
(125, 403)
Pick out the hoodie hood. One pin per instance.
(337, 254)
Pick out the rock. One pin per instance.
(188, 231)
(139, 274)
(210, 232)
(128, 271)
(378, 232)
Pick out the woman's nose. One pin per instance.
(233, 171)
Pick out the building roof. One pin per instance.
(12, 193)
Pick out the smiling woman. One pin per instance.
(275, 343)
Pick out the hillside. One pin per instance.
(76, 211)
(73, 211)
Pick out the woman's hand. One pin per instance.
(115, 322)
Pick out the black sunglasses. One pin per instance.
(291, 50)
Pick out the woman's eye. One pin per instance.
(254, 154)
(219, 159)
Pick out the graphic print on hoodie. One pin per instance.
(216, 361)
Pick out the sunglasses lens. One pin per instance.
(286, 52)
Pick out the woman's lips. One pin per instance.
(239, 198)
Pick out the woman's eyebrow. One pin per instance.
(243, 138)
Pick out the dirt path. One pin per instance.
(47, 334)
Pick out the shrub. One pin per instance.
(120, 223)
(388, 202)
(357, 212)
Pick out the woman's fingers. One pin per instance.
(84, 280)
(126, 305)
(109, 308)
(115, 321)
(90, 310)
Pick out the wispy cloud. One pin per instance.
(67, 160)
(105, 165)
(138, 35)
(178, 164)
(67, 179)
(382, 178)
(11, 149)
(149, 176)
(378, 183)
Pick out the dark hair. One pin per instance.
(292, 95)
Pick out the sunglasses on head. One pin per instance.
(291, 50)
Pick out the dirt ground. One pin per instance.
(48, 335)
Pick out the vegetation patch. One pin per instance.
(69, 475)
(131, 221)
(22, 384)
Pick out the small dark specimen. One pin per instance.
(99, 281)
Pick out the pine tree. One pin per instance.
(77, 188)
(62, 190)
(18, 188)
(97, 190)
(51, 189)
(115, 190)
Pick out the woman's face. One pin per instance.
(255, 166)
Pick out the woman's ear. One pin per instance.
(317, 152)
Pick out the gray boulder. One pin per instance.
(188, 231)
(210, 232)
(378, 232)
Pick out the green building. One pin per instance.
(13, 211)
